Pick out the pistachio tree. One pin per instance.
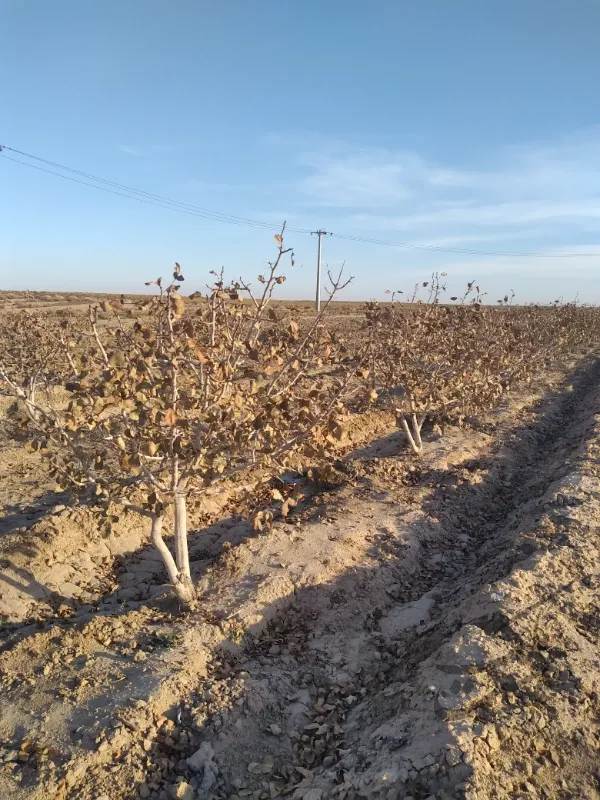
(38, 351)
(426, 359)
(182, 393)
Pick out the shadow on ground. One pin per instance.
(490, 517)
(472, 532)
(20, 516)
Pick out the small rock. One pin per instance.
(313, 794)
(529, 546)
(403, 775)
(128, 593)
(306, 773)
(493, 740)
(183, 791)
(70, 779)
(268, 765)
(202, 760)
(453, 757)
(555, 758)
(203, 756)
(143, 790)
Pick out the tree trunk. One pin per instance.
(413, 440)
(185, 590)
(159, 543)
(182, 583)
(417, 431)
(181, 543)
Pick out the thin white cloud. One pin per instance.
(473, 238)
(195, 185)
(142, 151)
(546, 190)
(489, 215)
(131, 151)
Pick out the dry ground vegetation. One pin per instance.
(405, 607)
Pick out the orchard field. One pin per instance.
(251, 552)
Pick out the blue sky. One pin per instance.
(460, 124)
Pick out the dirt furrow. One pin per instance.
(446, 678)
(411, 636)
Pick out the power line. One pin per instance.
(462, 250)
(194, 213)
(230, 218)
(131, 193)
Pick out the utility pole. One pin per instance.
(319, 233)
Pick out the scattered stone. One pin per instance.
(453, 757)
(202, 761)
(183, 791)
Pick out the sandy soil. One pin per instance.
(418, 628)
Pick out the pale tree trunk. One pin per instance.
(416, 426)
(182, 583)
(413, 431)
(181, 545)
(31, 392)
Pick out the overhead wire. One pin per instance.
(461, 250)
(210, 214)
(148, 197)
(190, 212)
(142, 196)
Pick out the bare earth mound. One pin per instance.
(424, 628)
